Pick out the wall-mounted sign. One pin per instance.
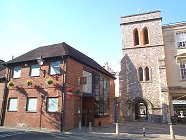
(178, 102)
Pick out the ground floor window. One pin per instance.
(101, 106)
(52, 104)
(31, 104)
(12, 104)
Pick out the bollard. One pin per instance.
(171, 131)
(90, 127)
(79, 127)
(144, 131)
(117, 129)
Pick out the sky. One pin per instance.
(90, 26)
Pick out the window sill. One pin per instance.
(31, 111)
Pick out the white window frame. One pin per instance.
(12, 104)
(182, 70)
(181, 39)
(55, 67)
(31, 104)
(34, 70)
(87, 88)
(17, 72)
(52, 104)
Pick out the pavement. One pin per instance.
(133, 131)
(126, 131)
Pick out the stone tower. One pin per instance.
(143, 84)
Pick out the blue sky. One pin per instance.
(90, 26)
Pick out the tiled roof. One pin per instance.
(57, 50)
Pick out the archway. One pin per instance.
(142, 108)
(141, 112)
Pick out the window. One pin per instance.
(55, 67)
(140, 70)
(12, 104)
(145, 36)
(87, 88)
(183, 70)
(181, 39)
(147, 77)
(102, 96)
(52, 104)
(136, 37)
(96, 85)
(34, 70)
(31, 104)
(17, 72)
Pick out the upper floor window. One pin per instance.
(183, 70)
(55, 67)
(145, 36)
(136, 37)
(181, 39)
(87, 87)
(12, 104)
(140, 70)
(34, 70)
(17, 72)
(147, 74)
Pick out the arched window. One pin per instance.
(145, 36)
(140, 70)
(136, 37)
(147, 74)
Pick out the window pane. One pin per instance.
(88, 86)
(136, 37)
(55, 67)
(12, 104)
(183, 70)
(52, 104)
(34, 70)
(181, 39)
(17, 72)
(140, 74)
(96, 84)
(147, 74)
(146, 37)
(31, 104)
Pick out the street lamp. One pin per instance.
(40, 61)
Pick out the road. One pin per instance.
(12, 134)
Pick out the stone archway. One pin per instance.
(142, 108)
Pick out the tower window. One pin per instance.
(145, 36)
(136, 37)
(140, 73)
(147, 77)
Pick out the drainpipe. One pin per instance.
(63, 108)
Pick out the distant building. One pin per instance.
(56, 86)
(174, 36)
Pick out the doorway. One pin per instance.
(141, 111)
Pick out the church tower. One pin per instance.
(143, 83)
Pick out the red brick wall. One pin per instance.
(41, 118)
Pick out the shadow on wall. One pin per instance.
(130, 88)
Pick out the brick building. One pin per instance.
(2, 87)
(153, 69)
(56, 86)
